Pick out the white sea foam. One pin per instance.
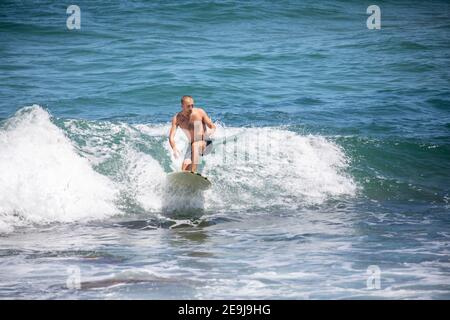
(43, 179)
(275, 167)
(146, 179)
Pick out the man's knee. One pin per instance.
(197, 144)
(198, 147)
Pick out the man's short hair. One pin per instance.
(186, 97)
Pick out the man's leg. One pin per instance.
(197, 148)
(187, 162)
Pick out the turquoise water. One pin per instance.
(346, 130)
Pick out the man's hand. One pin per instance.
(209, 135)
(173, 129)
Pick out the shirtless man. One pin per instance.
(193, 121)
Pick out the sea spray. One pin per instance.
(43, 179)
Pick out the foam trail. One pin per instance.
(266, 167)
(43, 178)
(146, 180)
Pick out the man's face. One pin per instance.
(187, 105)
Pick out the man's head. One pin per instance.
(187, 104)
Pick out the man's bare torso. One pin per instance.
(192, 125)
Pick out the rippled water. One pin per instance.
(332, 153)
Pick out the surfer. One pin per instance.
(194, 123)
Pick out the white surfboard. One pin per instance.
(187, 179)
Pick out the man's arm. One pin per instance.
(206, 120)
(173, 129)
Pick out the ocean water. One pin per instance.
(331, 172)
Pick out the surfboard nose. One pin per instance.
(187, 179)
